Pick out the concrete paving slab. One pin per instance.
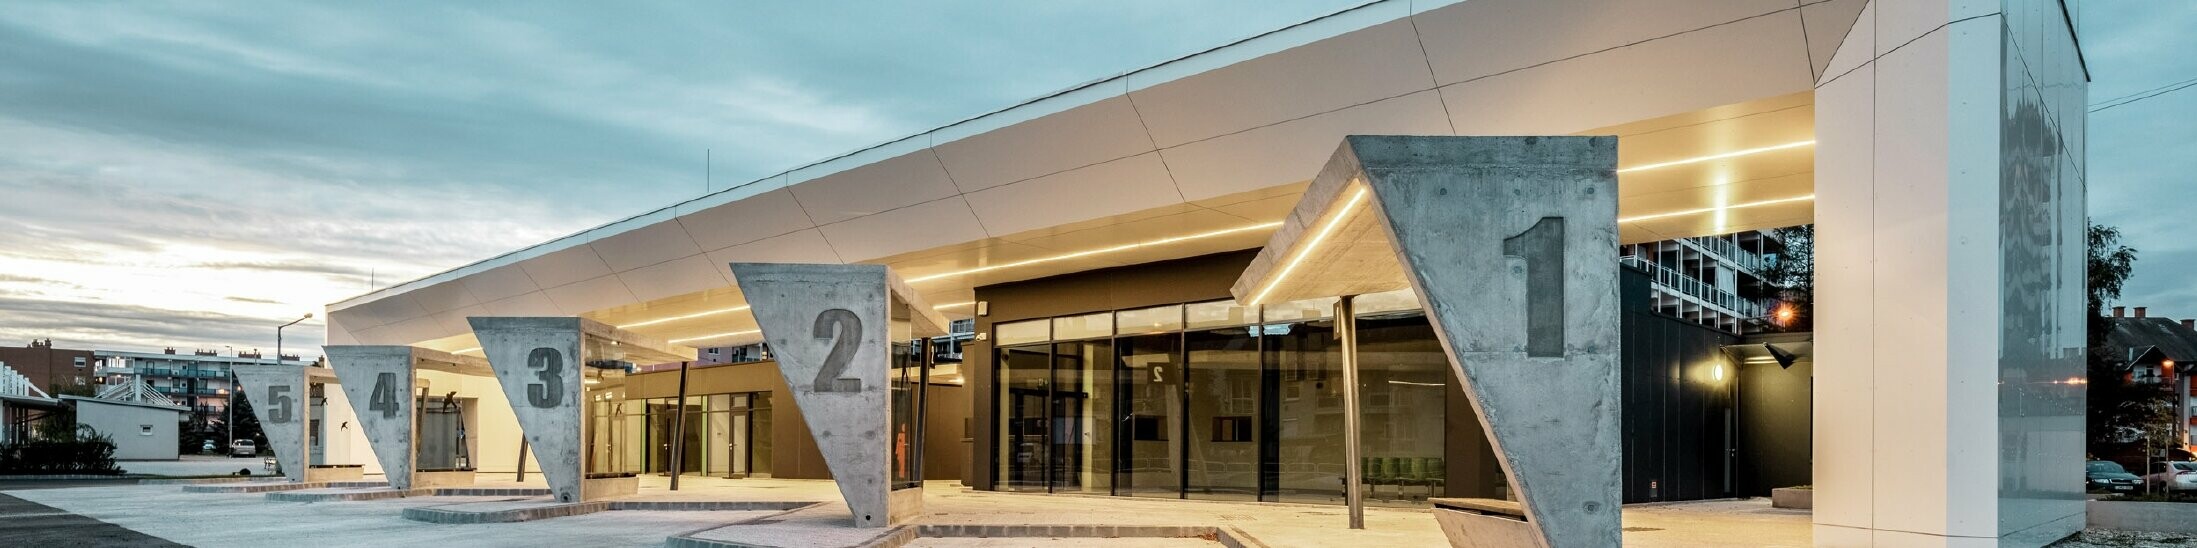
(195, 465)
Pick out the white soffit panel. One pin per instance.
(1759, 57)
(807, 246)
(499, 283)
(891, 183)
(1859, 46)
(1359, 67)
(530, 304)
(585, 295)
(1082, 136)
(644, 246)
(1121, 186)
(565, 266)
(1477, 39)
(1290, 151)
(762, 216)
(916, 227)
(453, 321)
(1828, 23)
(673, 277)
(442, 296)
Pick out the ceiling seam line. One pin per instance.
(1139, 113)
(1432, 80)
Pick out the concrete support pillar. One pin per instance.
(831, 328)
(539, 363)
(280, 396)
(1949, 241)
(378, 380)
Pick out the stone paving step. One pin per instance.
(902, 535)
(345, 494)
(273, 486)
(530, 509)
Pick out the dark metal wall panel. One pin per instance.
(1676, 438)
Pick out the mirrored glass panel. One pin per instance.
(1150, 431)
(1149, 320)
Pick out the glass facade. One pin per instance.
(1218, 401)
(725, 435)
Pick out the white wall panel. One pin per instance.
(1910, 238)
(1844, 403)
(1081, 136)
(1293, 151)
(1121, 186)
(762, 216)
(901, 181)
(1750, 59)
(1375, 63)
(1480, 38)
(911, 228)
(453, 321)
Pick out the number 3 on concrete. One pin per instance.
(550, 366)
(843, 347)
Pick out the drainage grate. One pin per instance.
(1641, 529)
(764, 521)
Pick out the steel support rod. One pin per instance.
(679, 429)
(522, 460)
(1346, 328)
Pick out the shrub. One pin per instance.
(82, 451)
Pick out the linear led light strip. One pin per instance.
(1715, 157)
(685, 317)
(1326, 228)
(1100, 251)
(1714, 209)
(708, 313)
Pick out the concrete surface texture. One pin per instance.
(279, 395)
(378, 380)
(1507, 241)
(538, 363)
(249, 519)
(831, 328)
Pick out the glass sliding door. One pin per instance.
(1150, 449)
(1081, 452)
(1404, 373)
(1306, 363)
(1225, 430)
(1025, 379)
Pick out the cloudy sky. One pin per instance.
(193, 175)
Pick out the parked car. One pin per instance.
(2109, 477)
(206, 448)
(2172, 477)
(243, 448)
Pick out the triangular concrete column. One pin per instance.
(378, 382)
(281, 399)
(1508, 242)
(831, 328)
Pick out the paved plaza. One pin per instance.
(240, 519)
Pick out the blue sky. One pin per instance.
(192, 175)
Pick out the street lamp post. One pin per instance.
(230, 407)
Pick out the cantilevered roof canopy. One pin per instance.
(1203, 154)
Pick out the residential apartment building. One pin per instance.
(1716, 281)
(200, 380)
(49, 368)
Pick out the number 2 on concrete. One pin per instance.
(849, 328)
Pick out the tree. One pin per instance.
(247, 423)
(1792, 279)
(2121, 413)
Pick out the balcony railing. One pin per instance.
(1730, 252)
(1706, 293)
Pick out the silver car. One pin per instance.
(2173, 477)
(243, 448)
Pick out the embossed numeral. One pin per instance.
(849, 338)
(280, 406)
(549, 366)
(1542, 249)
(384, 398)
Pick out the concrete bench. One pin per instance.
(1489, 523)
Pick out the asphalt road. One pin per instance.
(25, 523)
